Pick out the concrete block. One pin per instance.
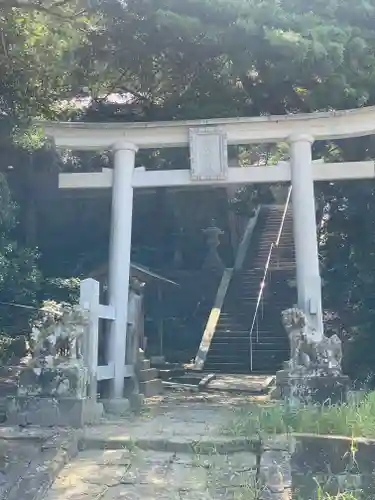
(151, 388)
(146, 375)
(136, 401)
(49, 411)
(116, 406)
(144, 364)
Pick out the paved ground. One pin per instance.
(15, 458)
(182, 416)
(150, 475)
(171, 455)
(29, 459)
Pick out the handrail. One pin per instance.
(263, 282)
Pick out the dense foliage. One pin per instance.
(173, 59)
(19, 275)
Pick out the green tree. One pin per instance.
(20, 278)
(38, 43)
(201, 58)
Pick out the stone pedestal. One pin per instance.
(52, 411)
(53, 397)
(67, 379)
(312, 388)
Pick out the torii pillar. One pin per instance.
(309, 285)
(119, 257)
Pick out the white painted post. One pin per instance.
(89, 300)
(304, 229)
(119, 258)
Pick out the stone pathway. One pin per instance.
(174, 450)
(15, 458)
(151, 475)
(30, 459)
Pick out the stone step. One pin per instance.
(147, 375)
(151, 388)
(267, 357)
(229, 351)
(225, 344)
(234, 319)
(225, 367)
(231, 335)
(230, 357)
(232, 315)
(282, 345)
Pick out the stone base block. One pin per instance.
(147, 375)
(136, 401)
(313, 388)
(144, 364)
(151, 388)
(274, 393)
(50, 411)
(116, 406)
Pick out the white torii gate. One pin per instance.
(208, 141)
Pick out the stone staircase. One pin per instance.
(149, 382)
(230, 348)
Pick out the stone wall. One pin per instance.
(334, 464)
(305, 466)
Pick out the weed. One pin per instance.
(345, 495)
(354, 419)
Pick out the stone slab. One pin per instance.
(15, 458)
(146, 375)
(35, 473)
(252, 384)
(181, 420)
(144, 364)
(151, 388)
(136, 401)
(119, 406)
(135, 475)
(210, 377)
(49, 412)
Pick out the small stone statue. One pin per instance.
(311, 351)
(213, 261)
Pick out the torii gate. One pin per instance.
(208, 141)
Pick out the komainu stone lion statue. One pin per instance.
(310, 350)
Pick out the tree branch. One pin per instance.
(117, 83)
(52, 9)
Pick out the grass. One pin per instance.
(356, 419)
(340, 496)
